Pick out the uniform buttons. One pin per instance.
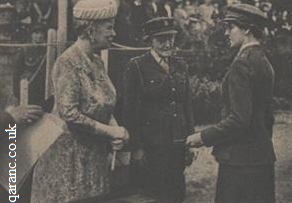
(173, 89)
(174, 115)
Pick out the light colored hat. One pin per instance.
(95, 9)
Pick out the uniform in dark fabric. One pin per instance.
(157, 111)
(251, 184)
(244, 135)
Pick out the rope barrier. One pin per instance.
(24, 45)
(124, 47)
(117, 46)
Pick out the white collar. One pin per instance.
(163, 62)
(244, 46)
(155, 55)
(250, 44)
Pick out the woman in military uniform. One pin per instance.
(242, 140)
(157, 112)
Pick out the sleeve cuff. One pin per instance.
(208, 136)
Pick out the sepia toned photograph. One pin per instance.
(145, 101)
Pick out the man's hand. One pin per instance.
(25, 114)
(117, 144)
(195, 140)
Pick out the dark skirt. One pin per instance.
(245, 184)
(162, 176)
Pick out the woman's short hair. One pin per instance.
(247, 17)
(256, 31)
(82, 26)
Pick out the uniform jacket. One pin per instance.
(244, 135)
(157, 107)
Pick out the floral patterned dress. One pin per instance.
(75, 167)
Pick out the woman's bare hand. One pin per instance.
(24, 114)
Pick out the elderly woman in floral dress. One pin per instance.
(75, 167)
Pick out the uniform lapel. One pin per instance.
(156, 64)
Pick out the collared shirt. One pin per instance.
(163, 62)
(250, 44)
(244, 46)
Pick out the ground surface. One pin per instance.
(201, 175)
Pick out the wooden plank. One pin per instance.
(51, 57)
(62, 25)
(24, 84)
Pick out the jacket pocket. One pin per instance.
(151, 131)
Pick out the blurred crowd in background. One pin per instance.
(192, 16)
(200, 39)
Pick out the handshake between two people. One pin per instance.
(121, 136)
(192, 141)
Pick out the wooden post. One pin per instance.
(62, 25)
(24, 84)
(50, 60)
